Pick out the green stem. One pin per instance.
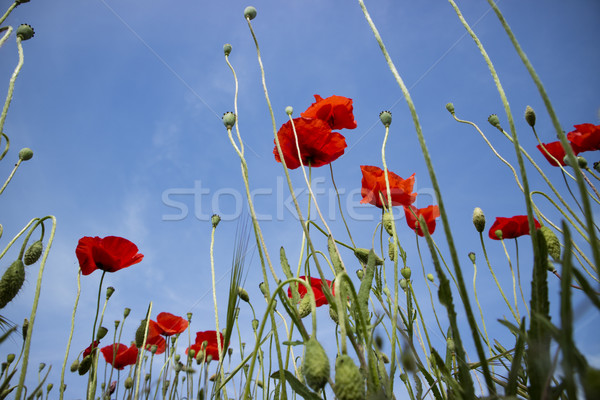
(11, 84)
(512, 273)
(10, 176)
(64, 366)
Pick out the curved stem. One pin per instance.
(11, 84)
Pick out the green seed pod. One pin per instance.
(126, 312)
(403, 283)
(255, 324)
(289, 110)
(139, 334)
(109, 292)
(25, 32)
(388, 222)
(479, 219)
(75, 366)
(25, 328)
(33, 253)
(430, 277)
(11, 282)
(102, 331)
(25, 154)
(386, 118)
(85, 365)
(315, 365)
(128, 382)
(227, 49)
(304, 307)
(360, 273)
(552, 242)
(250, 13)
(530, 116)
(229, 119)
(391, 251)
(349, 382)
(49, 387)
(472, 257)
(363, 256)
(243, 294)
(450, 108)
(10, 358)
(406, 273)
(494, 121)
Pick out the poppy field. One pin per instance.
(344, 307)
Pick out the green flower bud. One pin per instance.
(349, 382)
(384, 358)
(102, 331)
(263, 289)
(363, 256)
(430, 277)
(494, 121)
(450, 108)
(304, 307)
(386, 118)
(498, 234)
(85, 365)
(388, 222)
(450, 345)
(139, 334)
(405, 272)
(11, 282)
(229, 119)
(360, 273)
(128, 383)
(49, 387)
(407, 359)
(126, 312)
(109, 292)
(255, 324)
(403, 283)
(530, 116)
(227, 49)
(41, 367)
(334, 316)
(289, 110)
(75, 366)
(315, 365)
(189, 317)
(25, 32)
(243, 294)
(10, 358)
(550, 266)
(582, 162)
(552, 242)
(250, 13)
(24, 328)
(25, 154)
(479, 219)
(472, 257)
(33, 253)
(391, 251)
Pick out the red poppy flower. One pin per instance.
(428, 213)
(585, 137)
(317, 287)
(557, 151)
(158, 340)
(512, 227)
(318, 144)
(123, 355)
(212, 348)
(88, 350)
(373, 183)
(335, 110)
(169, 324)
(109, 254)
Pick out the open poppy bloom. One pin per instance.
(428, 213)
(335, 110)
(512, 227)
(317, 287)
(557, 151)
(212, 349)
(88, 350)
(123, 355)
(318, 144)
(109, 254)
(169, 324)
(373, 183)
(585, 137)
(156, 340)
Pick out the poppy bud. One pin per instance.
(102, 331)
(315, 365)
(199, 357)
(229, 119)
(391, 251)
(530, 116)
(85, 365)
(25, 32)
(388, 222)
(349, 382)
(126, 312)
(289, 110)
(263, 289)
(408, 361)
(41, 367)
(109, 292)
(250, 13)
(49, 387)
(25, 328)
(227, 49)
(189, 317)
(479, 219)
(139, 334)
(472, 257)
(10, 358)
(243, 294)
(11, 282)
(405, 272)
(33, 253)
(552, 242)
(333, 315)
(450, 108)
(360, 273)
(304, 307)
(386, 118)
(363, 256)
(75, 366)
(430, 277)
(25, 154)
(255, 324)
(128, 382)
(498, 234)
(403, 283)
(494, 121)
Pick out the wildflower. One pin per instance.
(335, 110)
(373, 184)
(430, 213)
(88, 350)
(109, 254)
(318, 144)
(169, 324)
(512, 227)
(585, 137)
(123, 355)
(158, 341)
(316, 285)
(557, 151)
(212, 349)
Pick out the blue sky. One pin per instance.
(121, 103)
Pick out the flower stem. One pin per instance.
(11, 84)
(62, 374)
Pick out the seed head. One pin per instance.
(250, 13)
(530, 116)
(227, 49)
(386, 118)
